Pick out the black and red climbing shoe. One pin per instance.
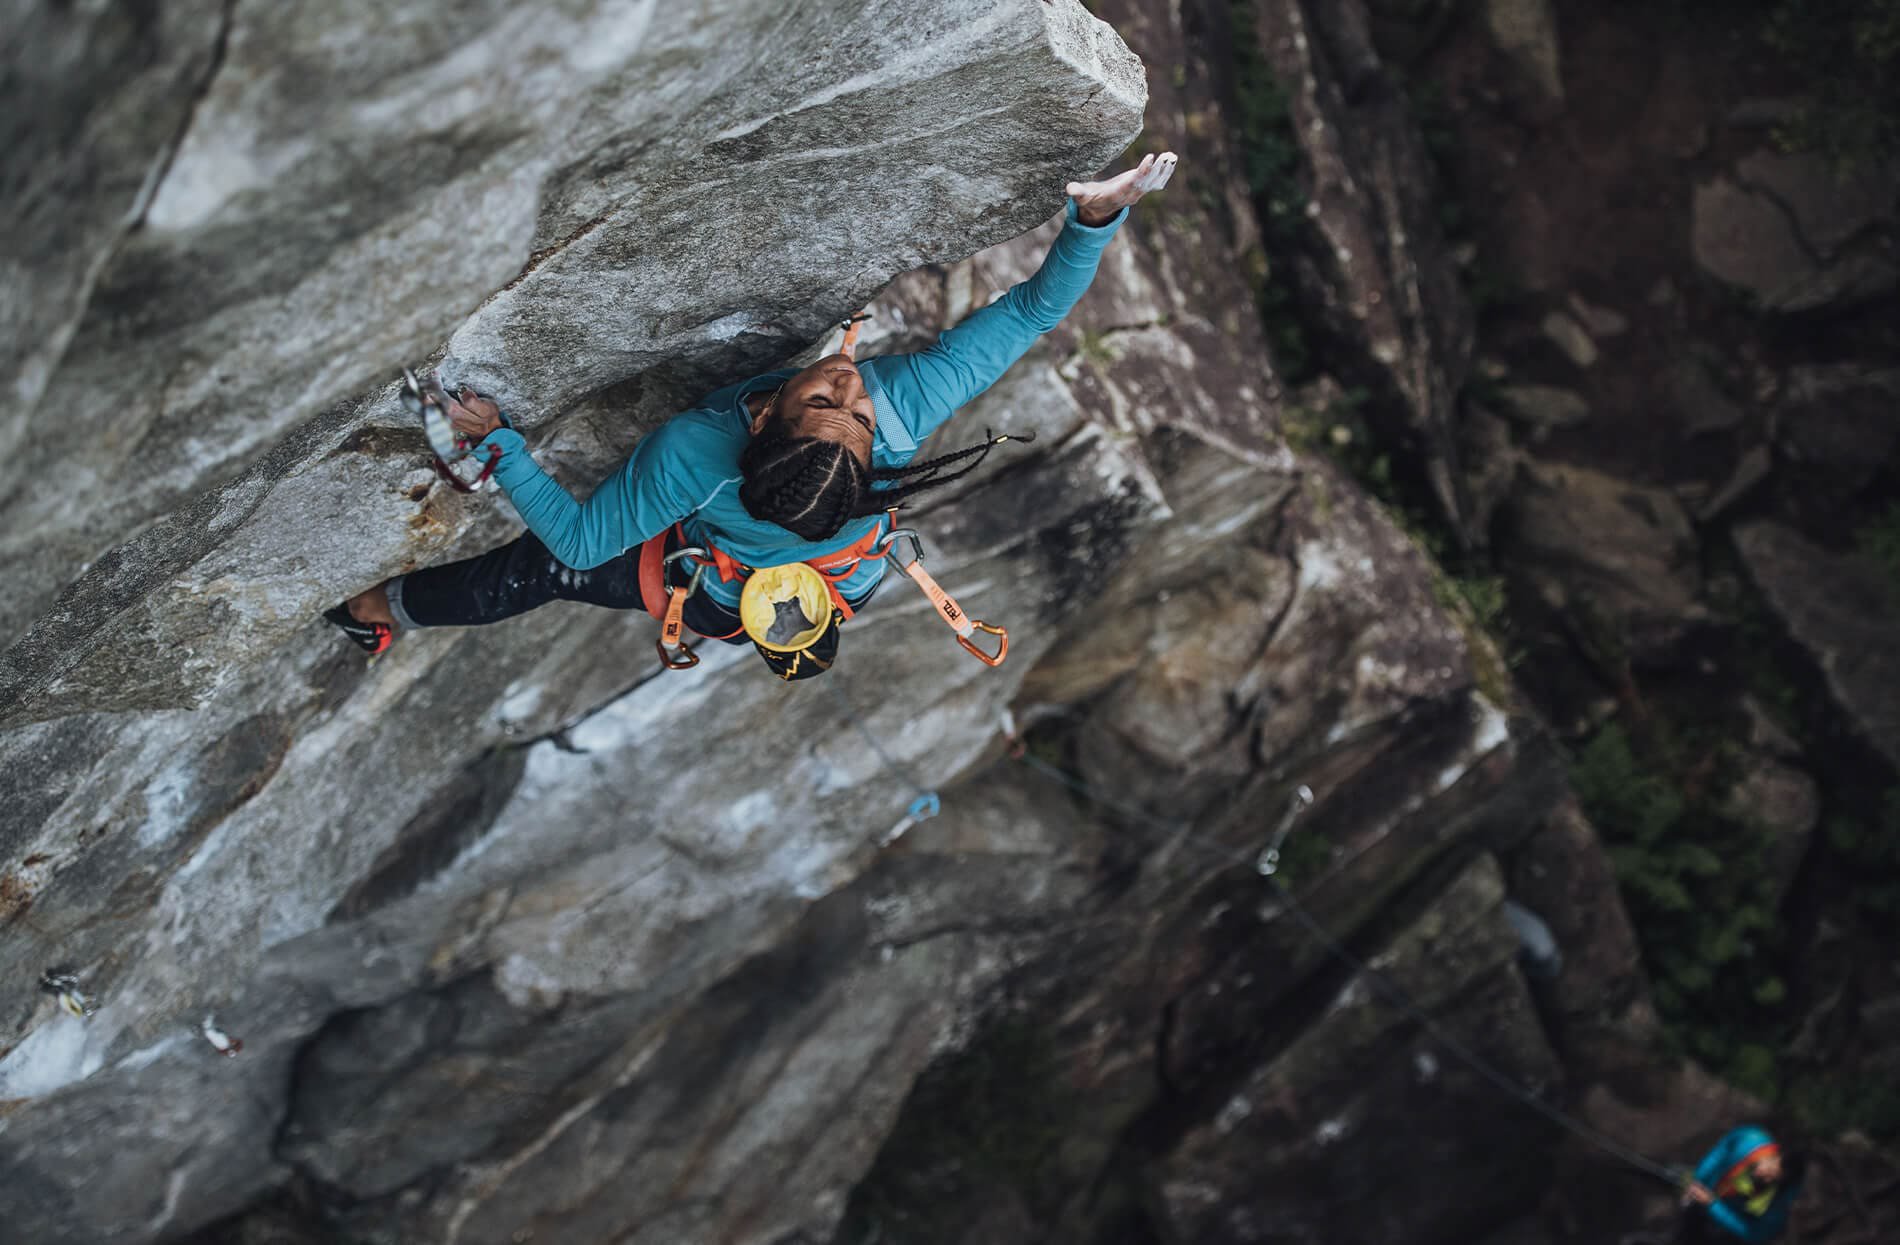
(371, 637)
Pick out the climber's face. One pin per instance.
(1768, 1168)
(828, 401)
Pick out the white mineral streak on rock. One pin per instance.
(60, 1051)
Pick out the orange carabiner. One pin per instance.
(946, 605)
(1002, 643)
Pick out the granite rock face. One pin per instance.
(564, 192)
(527, 940)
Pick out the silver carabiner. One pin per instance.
(699, 570)
(887, 547)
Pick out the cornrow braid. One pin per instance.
(813, 487)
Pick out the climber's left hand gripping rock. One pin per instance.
(1097, 202)
(473, 415)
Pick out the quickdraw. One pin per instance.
(63, 984)
(428, 401)
(673, 624)
(1268, 862)
(946, 605)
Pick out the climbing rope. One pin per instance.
(927, 803)
(1266, 864)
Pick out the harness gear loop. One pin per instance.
(1269, 862)
(946, 605)
(673, 625)
(428, 401)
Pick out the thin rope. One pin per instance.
(927, 804)
(1266, 866)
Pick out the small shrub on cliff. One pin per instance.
(1849, 53)
(1699, 893)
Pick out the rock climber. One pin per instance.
(786, 468)
(1743, 1188)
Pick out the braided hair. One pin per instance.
(813, 487)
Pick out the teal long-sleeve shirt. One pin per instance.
(1728, 1212)
(687, 471)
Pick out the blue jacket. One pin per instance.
(1731, 1212)
(688, 469)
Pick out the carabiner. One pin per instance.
(887, 547)
(673, 626)
(1002, 648)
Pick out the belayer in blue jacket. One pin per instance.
(1743, 1189)
(783, 468)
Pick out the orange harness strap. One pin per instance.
(1726, 1185)
(834, 568)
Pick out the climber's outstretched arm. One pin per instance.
(632, 504)
(925, 388)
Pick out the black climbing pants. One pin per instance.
(521, 576)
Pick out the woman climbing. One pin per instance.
(784, 469)
(1743, 1188)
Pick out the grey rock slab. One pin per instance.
(1794, 234)
(1599, 321)
(1316, 1111)
(1598, 545)
(1830, 206)
(1525, 31)
(1841, 610)
(1751, 470)
(1572, 338)
(96, 98)
(1544, 407)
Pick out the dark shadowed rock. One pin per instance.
(1592, 544)
(1525, 31)
(1841, 422)
(1300, 1151)
(1375, 266)
(1839, 608)
(1796, 234)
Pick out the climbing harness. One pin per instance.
(926, 804)
(1267, 865)
(786, 594)
(945, 604)
(63, 985)
(428, 400)
(673, 622)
